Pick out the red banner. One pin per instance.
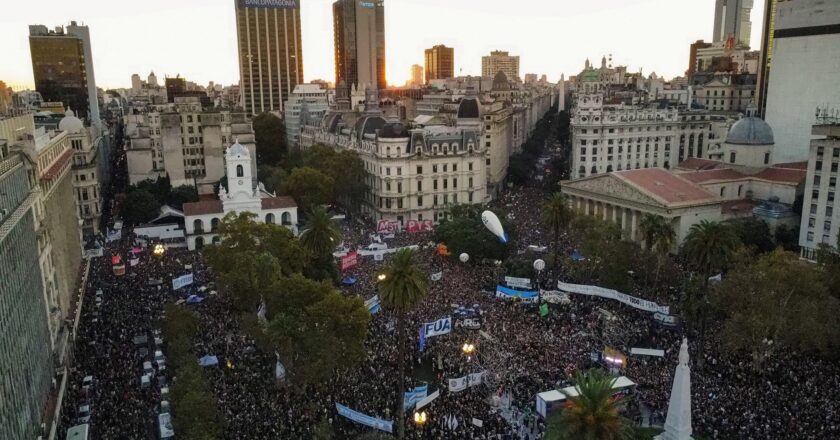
(349, 260)
(419, 226)
(387, 226)
(115, 260)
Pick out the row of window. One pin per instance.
(437, 200)
(435, 168)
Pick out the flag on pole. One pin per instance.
(422, 337)
(544, 310)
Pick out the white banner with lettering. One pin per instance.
(523, 283)
(641, 304)
(462, 383)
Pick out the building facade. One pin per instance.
(767, 38)
(25, 346)
(359, 32)
(416, 76)
(500, 61)
(62, 64)
(820, 220)
(270, 53)
(308, 102)
(806, 39)
(244, 194)
(90, 171)
(732, 21)
(184, 141)
(440, 62)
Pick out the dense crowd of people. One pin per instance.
(519, 352)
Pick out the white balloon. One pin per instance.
(494, 225)
(464, 257)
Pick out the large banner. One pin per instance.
(632, 301)
(182, 281)
(387, 226)
(419, 226)
(350, 260)
(462, 383)
(414, 396)
(528, 296)
(524, 283)
(428, 399)
(364, 419)
(268, 4)
(440, 327)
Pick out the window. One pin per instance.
(240, 171)
(269, 219)
(387, 171)
(445, 166)
(445, 183)
(810, 236)
(419, 169)
(812, 222)
(455, 183)
(471, 182)
(816, 180)
(399, 187)
(470, 197)
(399, 171)
(470, 166)
(419, 186)
(766, 158)
(732, 157)
(454, 167)
(722, 191)
(388, 186)
(434, 168)
(434, 185)
(420, 201)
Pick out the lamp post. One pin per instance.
(420, 418)
(539, 265)
(468, 350)
(381, 277)
(159, 250)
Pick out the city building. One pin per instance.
(732, 93)
(766, 60)
(531, 78)
(25, 346)
(359, 31)
(308, 103)
(500, 61)
(90, 170)
(136, 83)
(440, 62)
(692, 56)
(416, 76)
(62, 63)
(412, 173)
(184, 141)
(803, 75)
(732, 20)
(820, 221)
(270, 53)
(243, 194)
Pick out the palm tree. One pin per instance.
(592, 414)
(320, 236)
(708, 247)
(557, 214)
(659, 238)
(402, 285)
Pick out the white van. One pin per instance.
(147, 368)
(145, 380)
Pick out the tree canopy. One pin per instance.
(309, 187)
(592, 414)
(139, 207)
(270, 137)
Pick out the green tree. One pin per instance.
(159, 188)
(787, 238)
(309, 187)
(346, 169)
(709, 247)
(180, 195)
(465, 232)
(314, 328)
(403, 285)
(777, 303)
(139, 207)
(828, 260)
(270, 137)
(272, 177)
(557, 214)
(251, 256)
(660, 238)
(754, 233)
(320, 238)
(592, 414)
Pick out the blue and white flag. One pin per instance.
(440, 327)
(182, 281)
(527, 296)
(422, 338)
(364, 419)
(374, 305)
(412, 397)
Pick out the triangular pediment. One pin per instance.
(608, 185)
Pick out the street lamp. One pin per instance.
(468, 350)
(539, 265)
(381, 277)
(420, 418)
(464, 257)
(159, 250)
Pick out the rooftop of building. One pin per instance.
(666, 186)
(215, 206)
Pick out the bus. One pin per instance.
(79, 432)
(550, 401)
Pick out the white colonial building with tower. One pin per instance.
(243, 194)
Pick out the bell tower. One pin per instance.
(238, 160)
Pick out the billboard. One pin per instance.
(268, 4)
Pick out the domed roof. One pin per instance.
(70, 123)
(393, 130)
(468, 109)
(500, 82)
(238, 149)
(750, 130)
(368, 125)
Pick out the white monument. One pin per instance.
(678, 421)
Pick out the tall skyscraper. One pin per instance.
(440, 62)
(732, 18)
(359, 28)
(416, 75)
(62, 63)
(270, 52)
(803, 76)
(500, 61)
(766, 57)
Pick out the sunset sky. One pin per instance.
(197, 38)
